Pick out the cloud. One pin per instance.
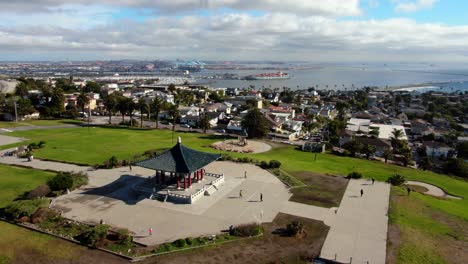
(241, 36)
(324, 8)
(414, 6)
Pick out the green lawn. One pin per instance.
(53, 122)
(413, 216)
(420, 232)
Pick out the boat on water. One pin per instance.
(269, 76)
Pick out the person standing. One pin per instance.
(151, 231)
(362, 192)
(408, 190)
(130, 167)
(261, 197)
(245, 174)
(373, 180)
(240, 193)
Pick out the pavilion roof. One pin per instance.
(179, 159)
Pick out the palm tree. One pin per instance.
(131, 106)
(110, 102)
(175, 114)
(395, 138)
(143, 106)
(157, 106)
(387, 154)
(205, 122)
(82, 100)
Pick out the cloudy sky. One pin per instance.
(306, 30)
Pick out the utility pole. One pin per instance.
(16, 112)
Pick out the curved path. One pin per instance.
(433, 190)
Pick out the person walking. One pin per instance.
(245, 174)
(130, 167)
(408, 190)
(151, 231)
(373, 180)
(261, 197)
(240, 193)
(362, 192)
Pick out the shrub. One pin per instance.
(264, 165)
(124, 237)
(189, 241)
(113, 162)
(294, 228)
(274, 164)
(40, 191)
(61, 182)
(79, 179)
(396, 180)
(95, 235)
(42, 214)
(180, 243)
(18, 209)
(246, 230)
(354, 175)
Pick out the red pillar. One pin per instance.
(202, 173)
(189, 180)
(185, 181)
(178, 182)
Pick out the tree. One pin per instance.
(24, 107)
(368, 150)
(175, 114)
(82, 100)
(205, 122)
(353, 147)
(396, 141)
(406, 155)
(57, 100)
(143, 106)
(171, 88)
(22, 90)
(426, 163)
(387, 154)
(156, 107)
(111, 102)
(123, 106)
(462, 150)
(255, 124)
(92, 87)
(456, 167)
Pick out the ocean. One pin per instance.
(349, 78)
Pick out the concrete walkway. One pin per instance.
(41, 164)
(358, 228)
(358, 232)
(33, 127)
(433, 190)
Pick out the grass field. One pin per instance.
(5, 124)
(419, 218)
(18, 245)
(420, 232)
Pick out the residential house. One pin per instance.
(436, 149)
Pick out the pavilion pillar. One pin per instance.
(178, 181)
(202, 173)
(189, 180)
(185, 181)
(163, 178)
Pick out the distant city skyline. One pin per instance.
(317, 31)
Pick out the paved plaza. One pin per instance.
(358, 228)
(7, 140)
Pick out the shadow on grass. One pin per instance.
(120, 189)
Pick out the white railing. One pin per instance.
(219, 180)
(213, 175)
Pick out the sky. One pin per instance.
(427, 31)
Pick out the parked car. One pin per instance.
(185, 125)
(221, 131)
